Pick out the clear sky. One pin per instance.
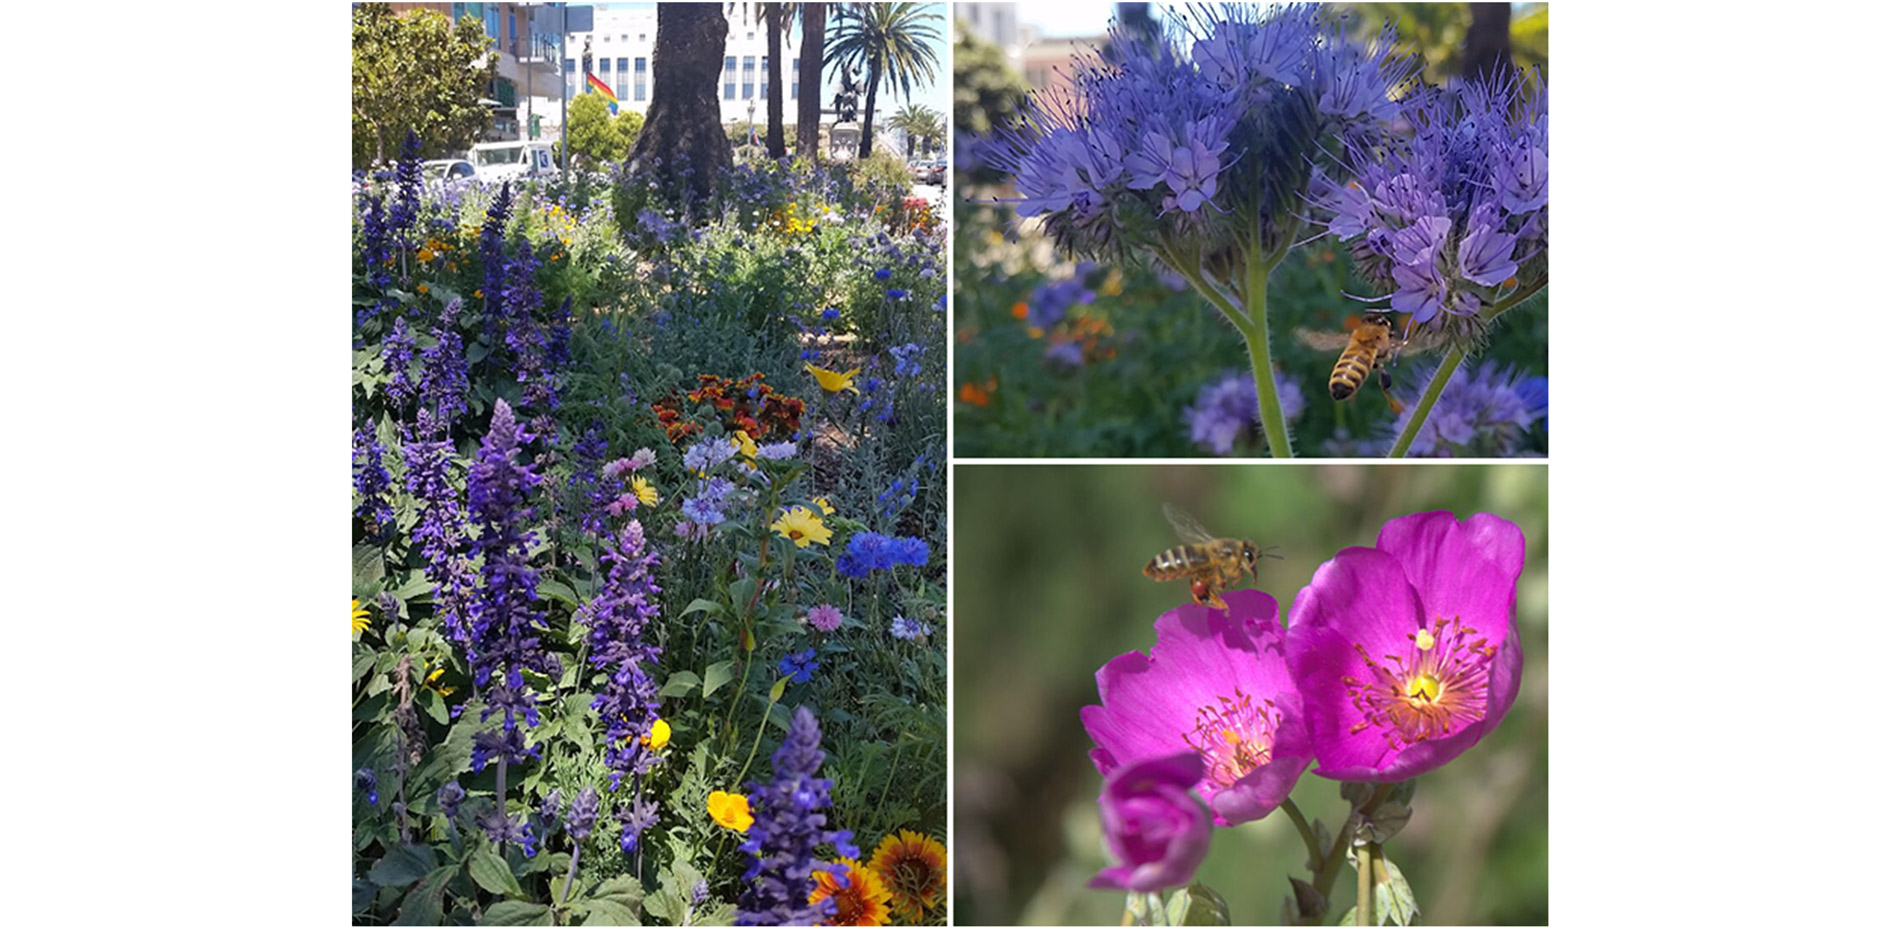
(935, 95)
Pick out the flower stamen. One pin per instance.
(1437, 686)
(1234, 738)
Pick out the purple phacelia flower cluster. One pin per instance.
(372, 480)
(504, 609)
(788, 827)
(1212, 146)
(1228, 410)
(1485, 411)
(869, 551)
(1447, 219)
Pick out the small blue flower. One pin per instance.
(366, 780)
(883, 273)
(798, 666)
(907, 629)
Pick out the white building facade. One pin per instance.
(622, 44)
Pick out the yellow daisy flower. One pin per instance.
(644, 491)
(444, 691)
(824, 505)
(860, 895)
(745, 444)
(730, 811)
(913, 866)
(802, 527)
(359, 617)
(832, 381)
(656, 739)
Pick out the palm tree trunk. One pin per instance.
(870, 104)
(811, 75)
(682, 127)
(1488, 41)
(774, 63)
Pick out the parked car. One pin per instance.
(498, 161)
(938, 169)
(447, 174)
(920, 171)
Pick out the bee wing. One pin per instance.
(1325, 341)
(1185, 525)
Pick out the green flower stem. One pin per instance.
(1453, 358)
(1364, 911)
(1306, 832)
(1336, 860)
(573, 863)
(1250, 319)
(763, 717)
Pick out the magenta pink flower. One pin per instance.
(1407, 654)
(1218, 685)
(825, 617)
(1154, 823)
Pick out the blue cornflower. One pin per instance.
(1483, 412)
(1228, 409)
(778, 450)
(908, 629)
(897, 294)
(906, 359)
(869, 550)
(366, 780)
(701, 510)
(830, 315)
(907, 551)
(899, 494)
(788, 827)
(799, 665)
(883, 273)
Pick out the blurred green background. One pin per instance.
(1048, 586)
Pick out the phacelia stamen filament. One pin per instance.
(1235, 737)
(1437, 685)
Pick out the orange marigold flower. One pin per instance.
(1020, 310)
(976, 395)
(914, 867)
(860, 896)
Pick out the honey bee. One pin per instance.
(1371, 345)
(1212, 563)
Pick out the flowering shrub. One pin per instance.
(603, 523)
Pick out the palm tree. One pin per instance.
(920, 124)
(811, 74)
(893, 41)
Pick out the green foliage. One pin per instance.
(987, 92)
(599, 139)
(1436, 32)
(414, 71)
(882, 169)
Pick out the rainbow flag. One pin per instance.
(600, 86)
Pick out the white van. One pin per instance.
(498, 161)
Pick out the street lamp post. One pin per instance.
(750, 132)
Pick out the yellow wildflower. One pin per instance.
(802, 527)
(832, 381)
(644, 491)
(656, 739)
(730, 811)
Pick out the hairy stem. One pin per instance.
(1306, 832)
(1364, 911)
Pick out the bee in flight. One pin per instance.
(1371, 345)
(1212, 563)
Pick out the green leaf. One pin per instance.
(404, 864)
(365, 661)
(1404, 904)
(667, 908)
(602, 911)
(1351, 918)
(433, 706)
(417, 586)
(366, 563)
(702, 605)
(514, 913)
(1198, 904)
(717, 675)
(489, 872)
(625, 891)
(679, 684)
(559, 592)
(423, 904)
(362, 892)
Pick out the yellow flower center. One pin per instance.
(1234, 737)
(1431, 689)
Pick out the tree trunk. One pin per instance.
(866, 130)
(774, 67)
(1488, 41)
(682, 128)
(811, 77)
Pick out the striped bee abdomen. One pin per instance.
(1349, 374)
(1175, 561)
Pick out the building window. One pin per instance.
(623, 36)
(732, 78)
(620, 74)
(567, 67)
(639, 78)
(606, 71)
(794, 78)
(749, 66)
